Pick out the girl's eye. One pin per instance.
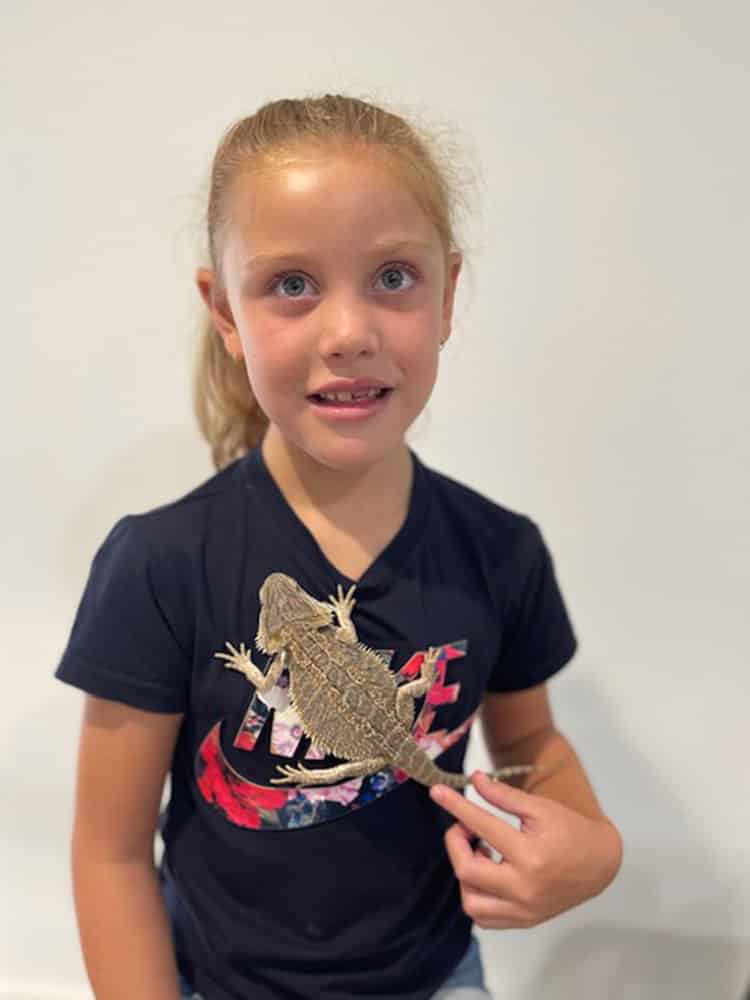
(294, 282)
(392, 269)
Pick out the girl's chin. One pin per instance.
(349, 453)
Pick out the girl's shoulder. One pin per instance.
(132, 638)
(496, 524)
(182, 521)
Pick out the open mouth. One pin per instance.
(349, 398)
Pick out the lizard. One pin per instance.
(344, 694)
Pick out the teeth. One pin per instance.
(347, 397)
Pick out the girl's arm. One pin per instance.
(124, 757)
(518, 728)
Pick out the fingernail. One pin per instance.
(438, 793)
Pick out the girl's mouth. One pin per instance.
(352, 409)
(356, 399)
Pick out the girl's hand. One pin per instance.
(558, 859)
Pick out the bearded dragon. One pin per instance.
(345, 696)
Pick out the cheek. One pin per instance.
(271, 355)
(411, 336)
(417, 348)
(278, 384)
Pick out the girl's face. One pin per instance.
(333, 271)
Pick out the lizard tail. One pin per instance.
(503, 773)
(543, 771)
(419, 766)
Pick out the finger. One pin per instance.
(489, 911)
(475, 870)
(489, 852)
(507, 797)
(462, 846)
(476, 902)
(495, 830)
(476, 844)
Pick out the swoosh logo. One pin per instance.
(255, 806)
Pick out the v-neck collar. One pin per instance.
(381, 572)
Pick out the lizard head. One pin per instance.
(283, 603)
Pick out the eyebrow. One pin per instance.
(377, 250)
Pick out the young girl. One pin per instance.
(291, 870)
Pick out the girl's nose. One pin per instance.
(348, 328)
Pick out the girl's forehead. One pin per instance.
(355, 161)
(302, 180)
(326, 192)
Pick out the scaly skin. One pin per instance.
(345, 696)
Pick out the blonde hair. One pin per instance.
(228, 415)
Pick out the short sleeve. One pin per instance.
(537, 637)
(128, 642)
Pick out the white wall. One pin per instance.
(599, 368)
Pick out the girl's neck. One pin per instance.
(341, 497)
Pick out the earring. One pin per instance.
(442, 345)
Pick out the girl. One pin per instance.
(289, 871)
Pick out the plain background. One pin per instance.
(596, 380)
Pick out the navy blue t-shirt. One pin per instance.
(336, 890)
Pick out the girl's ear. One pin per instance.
(455, 261)
(221, 314)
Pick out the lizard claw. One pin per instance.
(344, 602)
(290, 773)
(429, 662)
(237, 659)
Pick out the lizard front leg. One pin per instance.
(406, 694)
(342, 606)
(240, 660)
